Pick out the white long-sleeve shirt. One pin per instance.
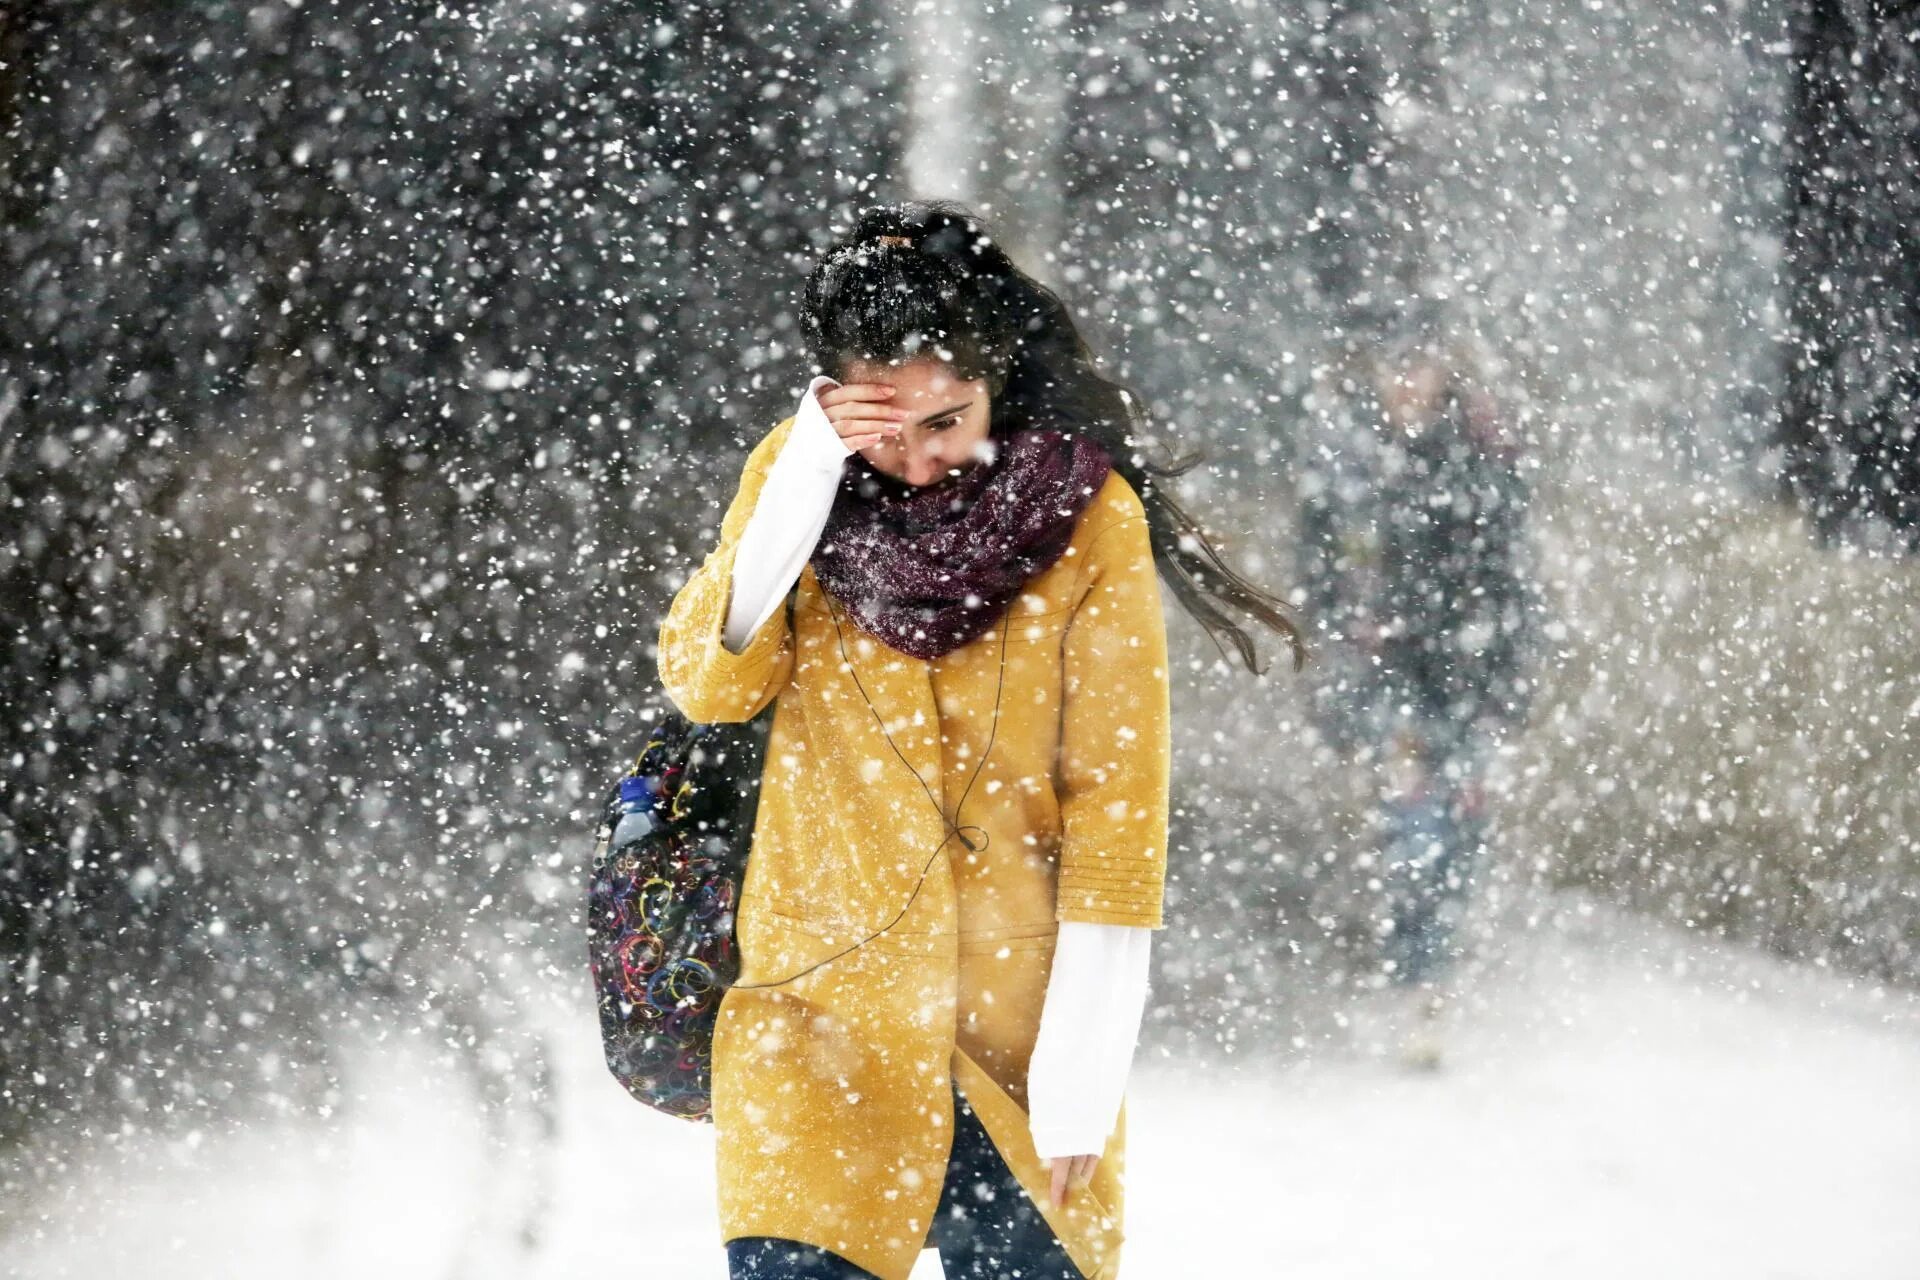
(1097, 990)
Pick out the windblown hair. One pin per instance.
(952, 293)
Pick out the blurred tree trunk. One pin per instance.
(1233, 194)
(1851, 419)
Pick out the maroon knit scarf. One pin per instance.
(927, 569)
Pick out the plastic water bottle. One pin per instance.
(636, 811)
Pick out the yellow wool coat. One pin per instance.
(832, 1094)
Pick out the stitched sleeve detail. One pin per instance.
(1113, 771)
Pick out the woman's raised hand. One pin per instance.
(860, 413)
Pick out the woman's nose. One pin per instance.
(922, 468)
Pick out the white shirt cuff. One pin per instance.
(787, 518)
(1089, 1027)
(813, 439)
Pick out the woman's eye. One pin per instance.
(943, 424)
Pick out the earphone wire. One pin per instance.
(952, 830)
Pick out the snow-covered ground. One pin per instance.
(1615, 1100)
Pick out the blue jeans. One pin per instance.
(986, 1226)
(1432, 851)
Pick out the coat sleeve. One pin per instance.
(709, 682)
(1114, 765)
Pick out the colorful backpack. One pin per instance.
(660, 904)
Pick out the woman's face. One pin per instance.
(947, 422)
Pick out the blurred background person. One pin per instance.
(1413, 527)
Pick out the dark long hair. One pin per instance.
(952, 292)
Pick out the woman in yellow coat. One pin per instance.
(969, 747)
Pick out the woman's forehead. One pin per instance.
(925, 376)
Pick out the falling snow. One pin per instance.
(372, 376)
